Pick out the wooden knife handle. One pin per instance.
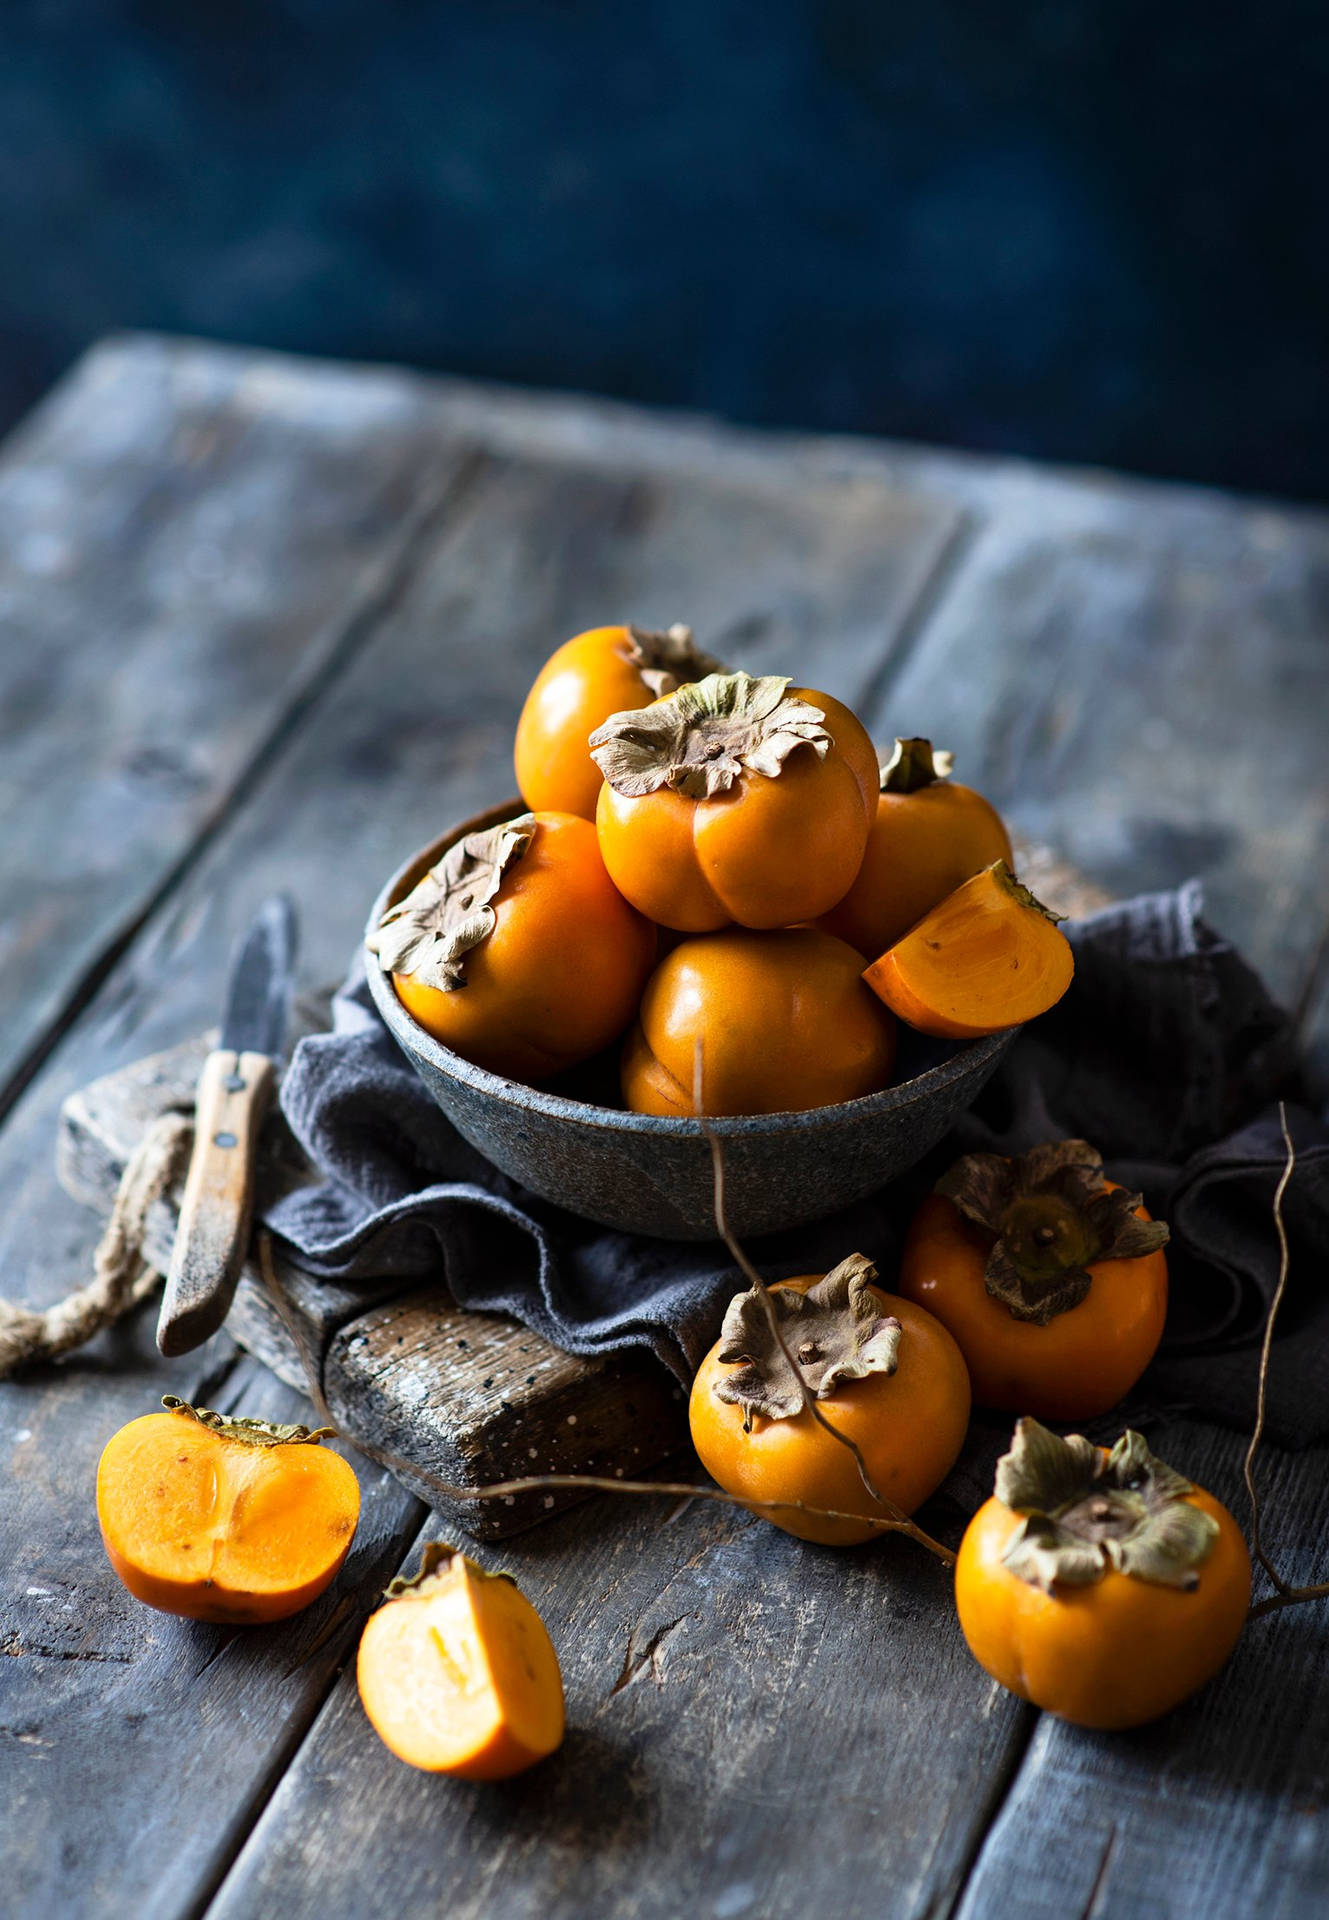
(234, 1090)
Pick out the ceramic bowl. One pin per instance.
(567, 1143)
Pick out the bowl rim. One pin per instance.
(519, 1094)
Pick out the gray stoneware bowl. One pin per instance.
(645, 1174)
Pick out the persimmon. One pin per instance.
(1050, 1276)
(928, 836)
(1101, 1586)
(988, 957)
(784, 1020)
(458, 1674)
(881, 1369)
(607, 670)
(516, 950)
(224, 1519)
(735, 800)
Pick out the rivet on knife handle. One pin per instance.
(234, 1090)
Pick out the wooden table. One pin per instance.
(265, 623)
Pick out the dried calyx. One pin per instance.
(447, 913)
(915, 764)
(253, 1433)
(437, 1562)
(835, 1331)
(1049, 1215)
(703, 738)
(1086, 1511)
(669, 660)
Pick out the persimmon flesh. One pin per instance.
(458, 1675)
(225, 1529)
(988, 957)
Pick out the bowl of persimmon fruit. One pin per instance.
(710, 900)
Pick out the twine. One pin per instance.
(121, 1277)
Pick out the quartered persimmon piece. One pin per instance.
(458, 1674)
(607, 670)
(224, 1519)
(987, 957)
(1102, 1586)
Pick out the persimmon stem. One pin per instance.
(1287, 1595)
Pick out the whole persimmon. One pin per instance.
(784, 1021)
(1050, 1276)
(1102, 1586)
(883, 1372)
(928, 836)
(606, 670)
(516, 950)
(735, 800)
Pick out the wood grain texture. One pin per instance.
(185, 547)
(755, 1727)
(1218, 1809)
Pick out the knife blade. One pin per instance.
(234, 1092)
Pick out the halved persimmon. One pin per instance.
(224, 1519)
(458, 1674)
(987, 957)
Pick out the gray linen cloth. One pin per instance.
(1167, 1054)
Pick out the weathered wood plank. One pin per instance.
(182, 562)
(755, 1726)
(1145, 691)
(1219, 1809)
(415, 732)
(137, 1747)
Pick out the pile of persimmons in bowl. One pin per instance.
(712, 873)
(711, 891)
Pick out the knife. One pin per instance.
(234, 1092)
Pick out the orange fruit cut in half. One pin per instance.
(987, 957)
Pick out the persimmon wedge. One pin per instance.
(988, 957)
(222, 1519)
(457, 1673)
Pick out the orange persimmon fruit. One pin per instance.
(1101, 1586)
(1050, 1276)
(224, 1519)
(928, 836)
(784, 1020)
(516, 950)
(458, 1674)
(988, 957)
(735, 800)
(606, 670)
(883, 1372)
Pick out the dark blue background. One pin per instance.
(1093, 230)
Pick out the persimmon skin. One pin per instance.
(1116, 1653)
(580, 685)
(921, 846)
(165, 1476)
(462, 1678)
(561, 974)
(770, 852)
(1081, 1364)
(909, 1426)
(977, 963)
(785, 1023)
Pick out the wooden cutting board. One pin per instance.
(467, 1398)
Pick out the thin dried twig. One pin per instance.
(1286, 1595)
